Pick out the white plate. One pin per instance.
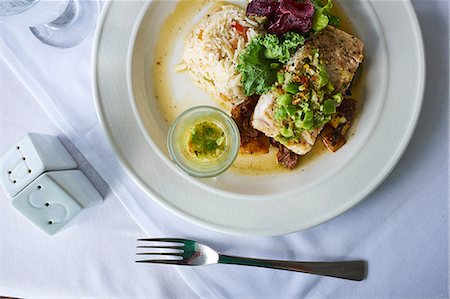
(271, 204)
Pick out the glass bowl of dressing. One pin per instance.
(203, 141)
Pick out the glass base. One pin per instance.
(73, 27)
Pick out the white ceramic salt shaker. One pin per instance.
(38, 174)
(55, 198)
(33, 155)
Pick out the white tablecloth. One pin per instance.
(401, 229)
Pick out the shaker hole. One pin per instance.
(39, 187)
(18, 147)
(23, 158)
(9, 171)
(47, 204)
(50, 222)
(14, 181)
(29, 170)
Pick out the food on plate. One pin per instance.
(252, 140)
(334, 131)
(262, 58)
(212, 51)
(283, 16)
(309, 89)
(282, 69)
(285, 157)
(340, 52)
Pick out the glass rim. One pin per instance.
(227, 121)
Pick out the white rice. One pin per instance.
(211, 53)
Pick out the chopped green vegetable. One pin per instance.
(320, 119)
(280, 114)
(305, 104)
(291, 110)
(306, 122)
(322, 15)
(329, 107)
(292, 88)
(280, 78)
(284, 100)
(262, 58)
(281, 48)
(338, 98)
(286, 132)
(274, 66)
(323, 76)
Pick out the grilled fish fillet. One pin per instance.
(341, 53)
(264, 121)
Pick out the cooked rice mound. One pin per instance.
(211, 52)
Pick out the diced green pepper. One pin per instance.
(274, 65)
(337, 98)
(280, 78)
(321, 120)
(292, 88)
(284, 100)
(323, 76)
(280, 114)
(308, 120)
(286, 132)
(329, 107)
(290, 110)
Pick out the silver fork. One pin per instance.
(191, 253)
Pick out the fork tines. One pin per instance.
(164, 240)
(173, 256)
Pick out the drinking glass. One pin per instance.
(58, 23)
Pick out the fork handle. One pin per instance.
(352, 270)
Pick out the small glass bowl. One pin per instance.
(179, 132)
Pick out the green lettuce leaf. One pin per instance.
(257, 75)
(263, 57)
(322, 15)
(281, 48)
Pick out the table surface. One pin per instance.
(94, 258)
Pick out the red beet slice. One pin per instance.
(292, 16)
(284, 15)
(262, 8)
